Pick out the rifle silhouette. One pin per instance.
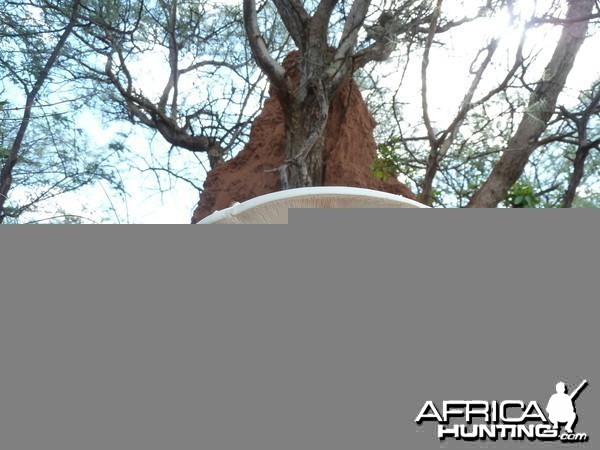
(577, 391)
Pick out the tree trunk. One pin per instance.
(576, 176)
(543, 100)
(433, 164)
(305, 139)
(322, 70)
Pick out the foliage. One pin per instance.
(521, 196)
(448, 106)
(37, 126)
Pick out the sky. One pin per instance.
(144, 202)
(448, 78)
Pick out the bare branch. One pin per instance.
(295, 18)
(274, 71)
(13, 155)
(172, 83)
(584, 146)
(541, 109)
(322, 16)
(390, 26)
(213, 63)
(345, 49)
(424, 67)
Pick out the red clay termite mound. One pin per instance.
(350, 151)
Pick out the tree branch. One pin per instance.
(345, 48)
(584, 146)
(424, 66)
(13, 155)
(295, 19)
(442, 145)
(390, 26)
(274, 71)
(511, 164)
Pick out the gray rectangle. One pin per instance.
(331, 332)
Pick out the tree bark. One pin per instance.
(305, 139)
(583, 149)
(322, 70)
(577, 175)
(542, 103)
